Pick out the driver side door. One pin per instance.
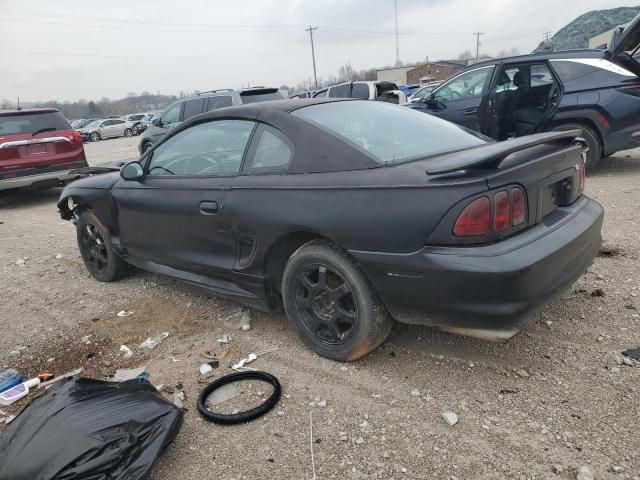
(460, 99)
(178, 215)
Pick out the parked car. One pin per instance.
(135, 121)
(409, 90)
(186, 108)
(597, 91)
(38, 148)
(349, 213)
(107, 128)
(146, 121)
(78, 123)
(423, 91)
(374, 90)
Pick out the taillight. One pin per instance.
(474, 219)
(518, 207)
(74, 136)
(501, 218)
(509, 210)
(581, 175)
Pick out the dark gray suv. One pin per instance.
(186, 108)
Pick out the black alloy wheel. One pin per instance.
(326, 303)
(96, 250)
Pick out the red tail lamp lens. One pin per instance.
(501, 218)
(518, 207)
(474, 219)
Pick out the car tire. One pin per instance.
(146, 146)
(331, 304)
(594, 155)
(96, 250)
(94, 137)
(128, 132)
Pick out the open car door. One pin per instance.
(625, 45)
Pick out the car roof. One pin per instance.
(541, 55)
(26, 111)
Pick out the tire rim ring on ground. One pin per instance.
(247, 415)
(325, 303)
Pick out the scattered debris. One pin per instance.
(609, 251)
(245, 328)
(207, 368)
(214, 355)
(450, 417)
(249, 359)
(630, 307)
(617, 469)
(224, 339)
(598, 292)
(523, 373)
(88, 427)
(557, 469)
(415, 392)
(126, 350)
(343, 436)
(86, 340)
(9, 379)
(359, 440)
(51, 359)
(70, 374)
(322, 403)
(21, 262)
(178, 398)
(584, 473)
(124, 374)
(509, 391)
(124, 313)
(58, 256)
(238, 319)
(633, 354)
(21, 348)
(14, 394)
(153, 342)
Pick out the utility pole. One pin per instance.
(477, 34)
(397, 35)
(313, 53)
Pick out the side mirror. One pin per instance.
(155, 122)
(132, 171)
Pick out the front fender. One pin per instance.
(93, 193)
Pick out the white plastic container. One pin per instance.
(16, 393)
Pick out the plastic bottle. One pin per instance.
(16, 393)
(9, 378)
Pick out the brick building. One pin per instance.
(431, 72)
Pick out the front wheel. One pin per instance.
(96, 250)
(331, 304)
(594, 155)
(128, 132)
(95, 136)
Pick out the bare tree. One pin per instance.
(5, 104)
(346, 73)
(466, 55)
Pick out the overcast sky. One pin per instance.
(67, 49)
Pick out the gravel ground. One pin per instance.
(550, 401)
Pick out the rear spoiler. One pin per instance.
(493, 154)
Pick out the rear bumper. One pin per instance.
(47, 176)
(493, 286)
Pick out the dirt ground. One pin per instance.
(550, 401)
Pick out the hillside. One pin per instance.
(577, 33)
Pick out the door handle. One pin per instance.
(470, 111)
(209, 208)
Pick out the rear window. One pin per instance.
(389, 133)
(193, 108)
(597, 72)
(32, 123)
(253, 96)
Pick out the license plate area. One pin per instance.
(36, 149)
(558, 191)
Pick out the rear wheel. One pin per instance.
(96, 250)
(594, 155)
(128, 132)
(95, 136)
(331, 304)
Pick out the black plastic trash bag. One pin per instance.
(88, 429)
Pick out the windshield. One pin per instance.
(95, 123)
(389, 133)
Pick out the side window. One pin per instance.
(510, 78)
(172, 115)
(540, 75)
(321, 94)
(211, 148)
(360, 90)
(214, 103)
(467, 85)
(117, 122)
(107, 123)
(193, 108)
(272, 151)
(341, 91)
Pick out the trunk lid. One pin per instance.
(624, 45)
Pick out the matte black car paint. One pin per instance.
(394, 220)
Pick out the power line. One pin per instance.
(97, 55)
(313, 54)
(478, 34)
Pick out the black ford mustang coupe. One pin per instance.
(349, 214)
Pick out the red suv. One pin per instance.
(38, 148)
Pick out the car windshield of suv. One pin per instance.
(389, 133)
(32, 123)
(261, 96)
